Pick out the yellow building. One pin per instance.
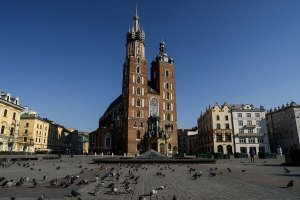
(10, 112)
(57, 138)
(34, 132)
(215, 130)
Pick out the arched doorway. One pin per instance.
(220, 149)
(229, 149)
(162, 148)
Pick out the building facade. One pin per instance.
(249, 128)
(215, 130)
(34, 132)
(188, 141)
(144, 116)
(42, 135)
(10, 112)
(283, 125)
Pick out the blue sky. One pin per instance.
(64, 58)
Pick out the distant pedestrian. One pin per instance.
(252, 153)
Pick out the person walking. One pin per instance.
(252, 153)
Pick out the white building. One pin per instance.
(249, 128)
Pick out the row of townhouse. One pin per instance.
(23, 130)
(238, 128)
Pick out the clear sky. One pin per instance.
(64, 58)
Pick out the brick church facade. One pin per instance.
(144, 116)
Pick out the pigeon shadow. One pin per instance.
(68, 195)
(289, 175)
(283, 187)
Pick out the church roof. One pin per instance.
(151, 154)
(151, 89)
(116, 102)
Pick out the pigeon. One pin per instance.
(174, 197)
(162, 187)
(287, 170)
(42, 197)
(114, 190)
(195, 176)
(12, 198)
(4, 183)
(57, 168)
(153, 192)
(21, 180)
(54, 183)
(213, 174)
(229, 170)
(290, 184)
(96, 191)
(45, 178)
(2, 179)
(75, 193)
(129, 190)
(243, 170)
(35, 183)
(142, 198)
(9, 183)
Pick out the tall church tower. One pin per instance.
(134, 91)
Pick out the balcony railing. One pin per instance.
(250, 126)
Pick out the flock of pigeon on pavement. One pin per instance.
(114, 179)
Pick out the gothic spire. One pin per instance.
(136, 20)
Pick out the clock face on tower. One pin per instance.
(153, 107)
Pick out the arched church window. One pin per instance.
(167, 95)
(167, 86)
(138, 114)
(138, 135)
(168, 117)
(168, 106)
(167, 73)
(138, 102)
(138, 91)
(153, 108)
(138, 59)
(142, 125)
(135, 124)
(138, 79)
(138, 69)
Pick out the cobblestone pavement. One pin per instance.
(265, 179)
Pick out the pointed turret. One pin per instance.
(136, 33)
